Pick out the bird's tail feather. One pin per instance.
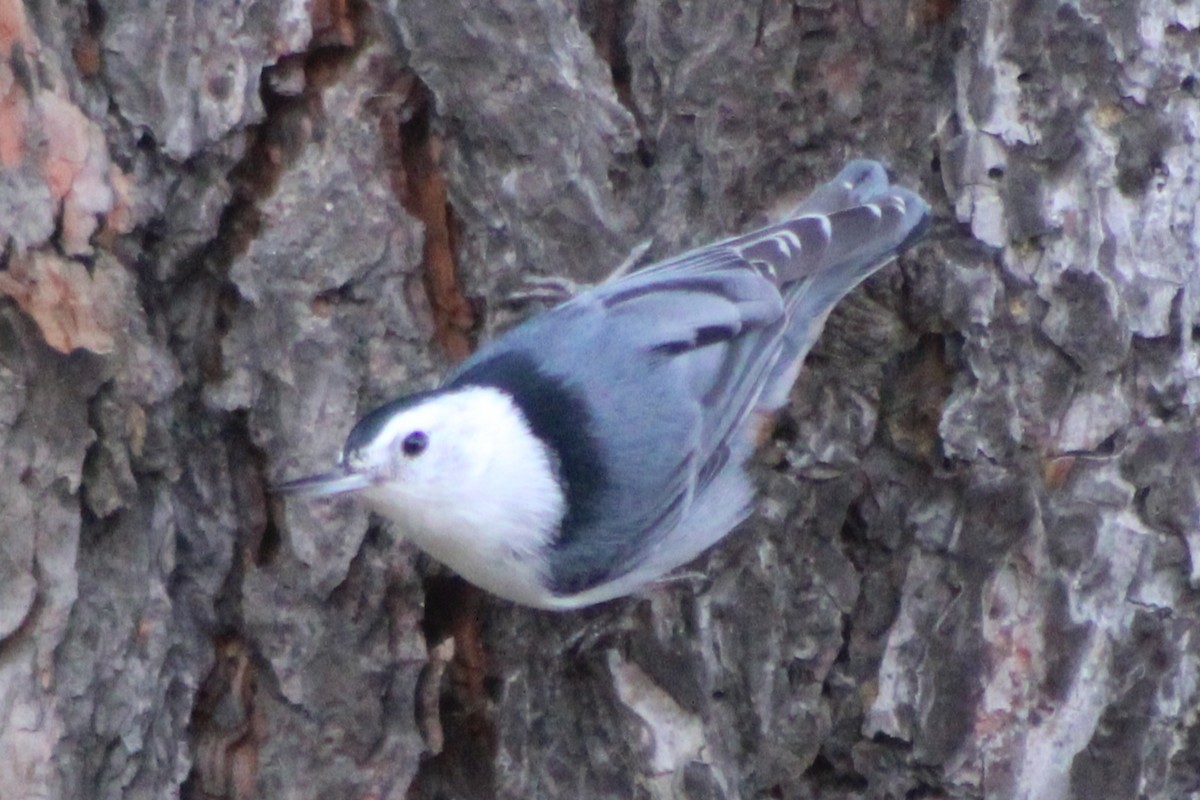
(845, 231)
(842, 232)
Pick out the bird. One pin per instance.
(586, 453)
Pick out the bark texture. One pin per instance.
(229, 228)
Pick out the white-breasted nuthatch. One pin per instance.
(590, 450)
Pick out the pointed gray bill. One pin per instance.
(336, 482)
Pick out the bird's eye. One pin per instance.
(415, 443)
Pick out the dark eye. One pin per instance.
(415, 443)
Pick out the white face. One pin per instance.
(470, 484)
(426, 446)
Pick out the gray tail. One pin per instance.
(845, 231)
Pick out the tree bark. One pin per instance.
(227, 229)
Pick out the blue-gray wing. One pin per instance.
(737, 317)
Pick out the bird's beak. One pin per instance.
(335, 482)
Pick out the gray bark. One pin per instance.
(229, 228)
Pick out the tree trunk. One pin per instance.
(227, 229)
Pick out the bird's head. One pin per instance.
(426, 445)
(459, 470)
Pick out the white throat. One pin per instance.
(489, 502)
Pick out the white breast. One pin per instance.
(486, 503)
